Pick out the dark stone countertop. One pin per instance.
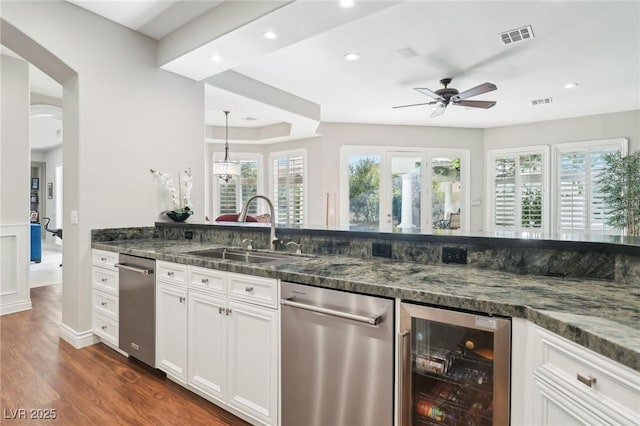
(600, 315)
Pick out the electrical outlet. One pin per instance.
(454, 255)
(381, 250)
(188, 235)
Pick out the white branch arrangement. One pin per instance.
(180, 198)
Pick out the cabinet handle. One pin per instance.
(104, 303)
(103, 259)
(205, 281)
(181, 299)
(220, 309)
(104, 280)
(228, 311)
(248, 289)
(170, 274)
(589, 381)
(104, 327)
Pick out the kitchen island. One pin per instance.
(600, 315)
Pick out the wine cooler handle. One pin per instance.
(404, 379)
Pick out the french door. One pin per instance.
(404, 191)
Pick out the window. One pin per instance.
(580, 206)
(288, 186)
(232, 195)
(517, 183)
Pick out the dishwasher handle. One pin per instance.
(143, 271)
(373, 320)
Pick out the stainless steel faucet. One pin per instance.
(242, 217)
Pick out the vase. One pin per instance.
(180, 215)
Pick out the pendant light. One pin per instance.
(226, 169)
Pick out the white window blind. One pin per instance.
(288, 189)
(518, 189)
(233, 194)
(580, 202)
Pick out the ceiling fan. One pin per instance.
(450, 95)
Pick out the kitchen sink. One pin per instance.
(247, 256)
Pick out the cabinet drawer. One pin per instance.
(106, 328)
(258, 290)
(613, 384)
(105, 304)
(207, 279)
(105, 280)
(104, 259)
(171, 273)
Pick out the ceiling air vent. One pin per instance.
(542, 101)
(407, 53)
(516, 35)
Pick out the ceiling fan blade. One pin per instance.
(478, 90)
(429, 93)
(410, 105)
(476, 104)
(439, 110)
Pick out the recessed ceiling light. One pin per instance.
(215, 58)
(347, 3)
(269, 35)
(351, 56)
(570, 85)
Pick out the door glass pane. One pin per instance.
(406, 184)
(446, 191)
(364, 192)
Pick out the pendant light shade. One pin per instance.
(226, 169)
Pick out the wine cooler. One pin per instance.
(454, 367)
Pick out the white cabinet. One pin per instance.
(207, 349)
(171, 320)
(105, 296)
(222, 343)
(558, 382)
(252, 355)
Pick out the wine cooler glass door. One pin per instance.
(455, 367)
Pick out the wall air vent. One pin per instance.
(541, 101)
(516, 35)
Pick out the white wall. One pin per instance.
(15, 170)
(604, 126)
(122, 116)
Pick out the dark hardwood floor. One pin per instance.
(90, 386)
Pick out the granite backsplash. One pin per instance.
(527, 257)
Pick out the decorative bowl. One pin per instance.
(179, 215)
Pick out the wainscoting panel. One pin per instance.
(14, 268)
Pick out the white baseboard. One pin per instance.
(13, 307)
(77, 339)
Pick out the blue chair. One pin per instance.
(36, 242)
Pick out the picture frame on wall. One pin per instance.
(34, 217)
(34, 198)
(50, 190)
(35, 183)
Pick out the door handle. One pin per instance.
(142, 271)
(373, 319)
(404, 380)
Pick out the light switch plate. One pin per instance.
(74, 217)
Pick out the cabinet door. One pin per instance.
(207, 344)
(253, 361)
(171, 332)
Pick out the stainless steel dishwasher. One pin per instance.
(337, 358)
(137, 317)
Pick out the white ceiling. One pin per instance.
(593, 43)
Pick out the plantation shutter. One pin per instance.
(531, 190)
(581, 204)
(233, 194)
(505, 192)
(288, 189)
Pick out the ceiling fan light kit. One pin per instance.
(448, 95)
